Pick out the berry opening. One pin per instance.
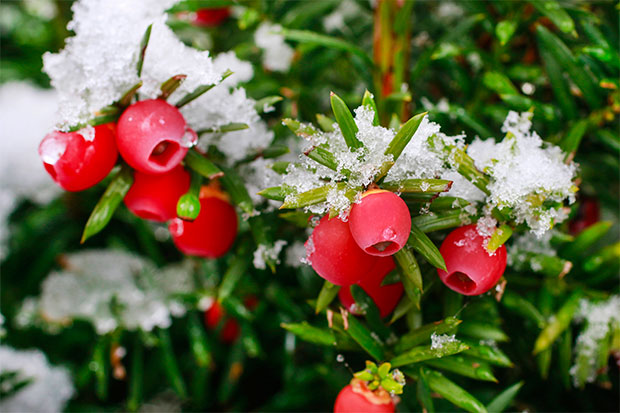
(460, 282)
(383, 247)
(163, 152)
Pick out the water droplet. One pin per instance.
(162, 121)
(176, 227)
(389, 233)
(189, 139)
(340, 358)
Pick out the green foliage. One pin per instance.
(511, 352)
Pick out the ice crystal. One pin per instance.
(112, 289)
(48, 387)
(601, 319)
(438, 341)
(277, 54)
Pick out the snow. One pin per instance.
(295, 255)
(277, 54)
(49, 389)
(22, 175)
(98, 65)
(266, 253)
(599, 318)
(111, 289)
(525, 172)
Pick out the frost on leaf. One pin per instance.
(112, 289)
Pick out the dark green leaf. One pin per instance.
(199, 91)
(452, 392)
(327, 294)
(464, 366)
(563, 55)
(305, 36)
(503, 400)
(112, 197)
(365, 305)
(143, 45)
(369, 102)
(171, 368)
(424, 333)
(202, 165)
(266, 102)
(558, 323)
(420, 242)
(311, 334)
(345, 121)
(418, 185)
(169, 86)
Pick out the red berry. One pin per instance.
(588, 214)
(334, 255)
(212, 233)
(385, 297)
(380, 223)
(356, 398)
(152, 136)
(77, 162)
(211, 17)
(230, 330)
(471, 269)
(155, 197)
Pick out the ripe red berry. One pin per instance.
(380, 223)
(155, 197)
(210, 17)
(153, 136)
(472, 270)
(588, 214)
(79, 160)
(385, 297)
(356, 398)
(334, 255)
(230, 329)
(212, 233)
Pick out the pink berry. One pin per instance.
(385, 297)
(358, 399)
(211, 234)
(334, 255)
(210, 17)
(153, 136)
(155, 197)
(79, 160)
(380, 223)
(472, 270)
